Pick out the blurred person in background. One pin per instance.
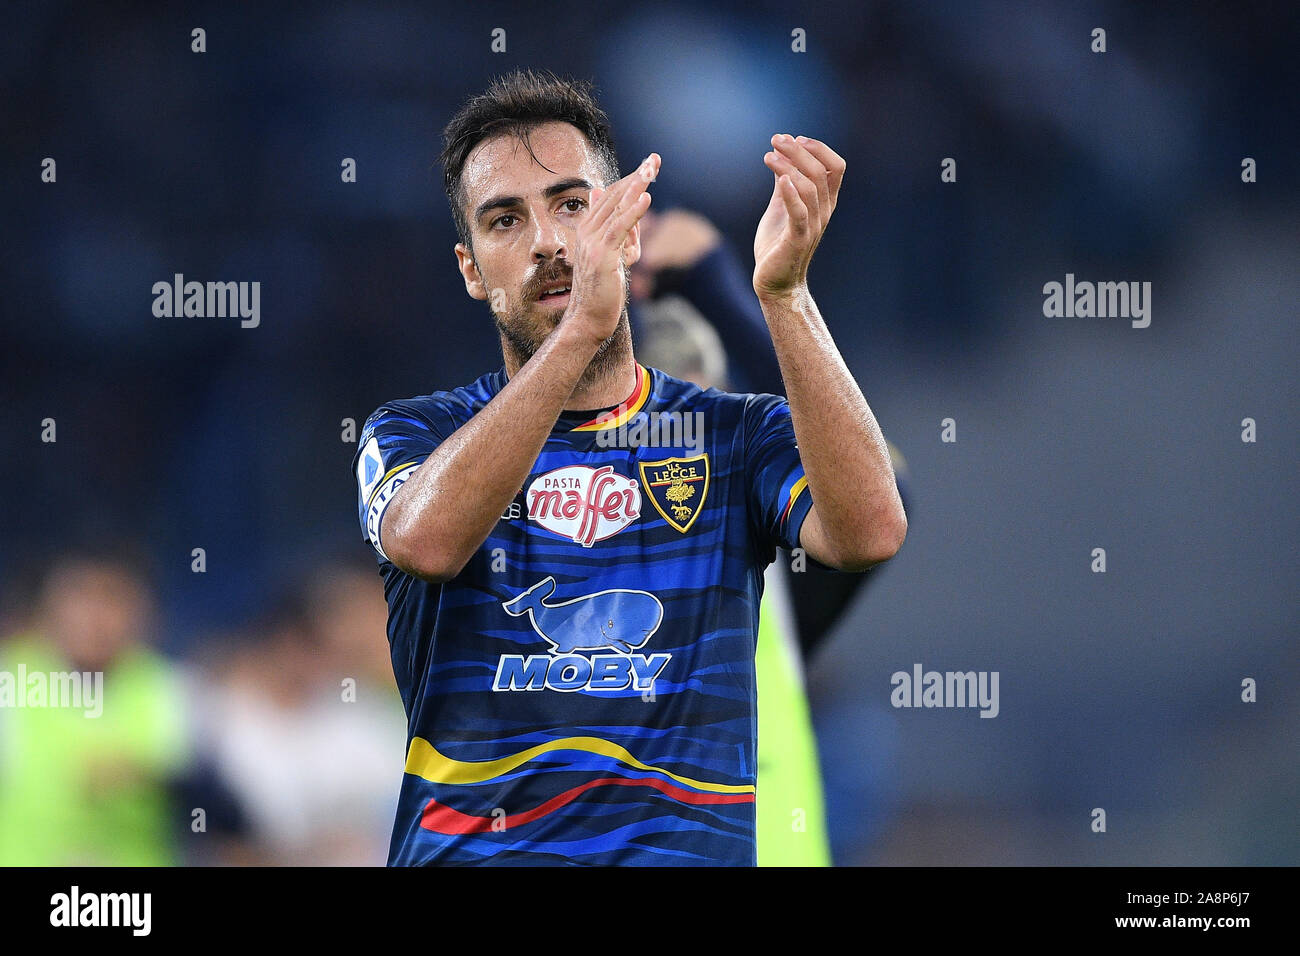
(688, 275)
(789, 814)
(683, 254)
(299, 724)
(352, 621)
(76, 788)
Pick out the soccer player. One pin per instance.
(573, 545)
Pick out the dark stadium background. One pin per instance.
(1118, 690)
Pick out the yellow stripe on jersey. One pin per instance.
(425, 761)
(626, 409)
(795, 491)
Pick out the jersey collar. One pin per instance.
(618, 414)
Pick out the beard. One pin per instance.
(524, 330)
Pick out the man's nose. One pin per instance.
(550, 241)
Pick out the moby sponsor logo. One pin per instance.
(619, 620)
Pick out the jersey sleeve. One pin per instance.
(394, 441)
(779, 499)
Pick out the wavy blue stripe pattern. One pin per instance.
(688, 601)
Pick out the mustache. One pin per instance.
(533, 287)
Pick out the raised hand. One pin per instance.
(808, 176)
(604, 245)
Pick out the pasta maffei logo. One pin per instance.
(584, 504)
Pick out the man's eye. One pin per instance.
(499, 218)
(580, 202)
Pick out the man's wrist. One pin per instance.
(574, 334)
(794, 299)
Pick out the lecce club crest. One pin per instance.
(677, 488)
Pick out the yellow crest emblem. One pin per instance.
(677, 488)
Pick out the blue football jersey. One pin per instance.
(584, 690)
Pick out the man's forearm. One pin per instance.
(449, 505)
(843, 451)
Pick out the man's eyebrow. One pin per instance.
(505, 202)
